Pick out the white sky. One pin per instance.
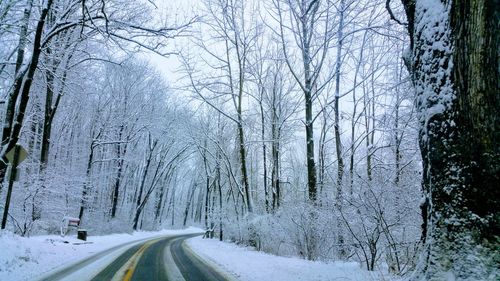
(174, 11)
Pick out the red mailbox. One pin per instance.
(68, 222)
(73, 222)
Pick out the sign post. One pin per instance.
(15, 156)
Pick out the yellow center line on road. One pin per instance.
(128, 268)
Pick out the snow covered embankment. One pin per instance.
(249, 265)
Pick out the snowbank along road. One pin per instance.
(165, 258)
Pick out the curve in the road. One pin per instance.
(146, 262)
(151, 264)
(191, 267)
(62, 273)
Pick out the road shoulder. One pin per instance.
(208, 261)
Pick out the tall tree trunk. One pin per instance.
(264, 152)
(336, 126)
(139, 206)
(120, 155)
(52, 62)
(275, 174)
(243, 159)
(189, 202)
(397, 140)
(240, 49)
(455, 67)
(275, 148)
(219, 188)
(338, 143)
(50, 106)
(207, 183)
(355, 118)
(309, 124)
(49, 94)
(371, 133)
(322, 153)
(86, 184)
(369, 116)
(172, 205)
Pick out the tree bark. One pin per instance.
(455, 68)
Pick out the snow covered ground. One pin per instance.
(24, 258)
(28, 258)
(249, 265)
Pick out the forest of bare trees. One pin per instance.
(349, 130)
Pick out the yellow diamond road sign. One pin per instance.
(22, 154)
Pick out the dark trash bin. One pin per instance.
(82, 234)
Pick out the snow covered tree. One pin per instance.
(49, 46)
(308, 24)
(454, 63)
(232, 39)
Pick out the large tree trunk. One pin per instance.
(455, 68)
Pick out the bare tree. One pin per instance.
(311, 29)
(233, 35)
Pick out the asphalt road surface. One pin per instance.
(155, 259)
